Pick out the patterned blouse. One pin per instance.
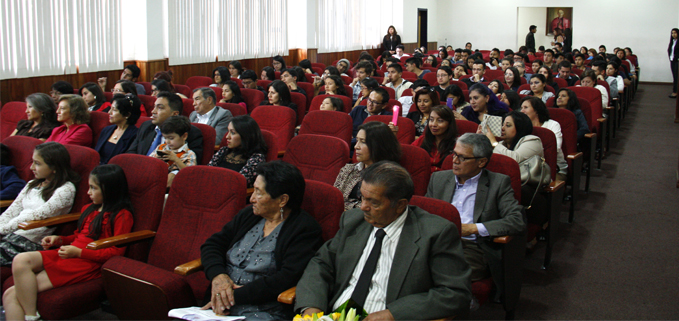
(347, 180)
(248, 170)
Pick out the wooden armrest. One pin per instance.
(555, 186)
(189, 267)
(502, 239)
(602, 120)
(609, 107)
(590, 135)
(216, 148)
(281, 153)
(6, 203)
(250, 191)
(61, 219)
(288, 296)
(120, 239)
(574, 156)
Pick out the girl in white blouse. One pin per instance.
(536, 110)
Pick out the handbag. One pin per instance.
(536, 172)
(494, 123)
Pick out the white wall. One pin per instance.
(409, 31)
(528, 16)
(643, 26)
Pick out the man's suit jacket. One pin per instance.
(530, 40)
(219, 120)
(495, 207)
(147, 132)
(429, 277)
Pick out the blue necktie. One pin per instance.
(156, 142)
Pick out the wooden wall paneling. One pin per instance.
(295, 56)
(312, 54)
(410, 47)
(431, 46)
(150, 68)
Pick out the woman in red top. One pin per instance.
(109, 214)
(439, 136)
(73, 115)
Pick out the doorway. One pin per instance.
(422, 27)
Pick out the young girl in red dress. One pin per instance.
(109, 214)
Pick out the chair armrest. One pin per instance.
(602, 120)
(189, 267)
(502, 239)
(590, 135)
(61, 219)
(250, 191)
(6, 203)
(574, 156)
(281, 153)
(120, 239)
(288, 296)
(555, 186)
(216, 148)
(610, 107)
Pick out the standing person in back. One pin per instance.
(391, 40)
(673, 54)
(530, 37)
(206, 112)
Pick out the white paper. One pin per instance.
(195, 313)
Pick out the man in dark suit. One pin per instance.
(530, 37)
(167, 104)
(485, 201)
(419, 272)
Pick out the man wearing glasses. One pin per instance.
(478, 70)
(377, 102)
(249, 80)
(485, 201)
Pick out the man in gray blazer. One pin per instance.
(485, 201)
(206, 112)
(420, 272)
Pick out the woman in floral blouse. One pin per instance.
(244, 150)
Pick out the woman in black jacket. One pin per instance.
(391, 40)
(673, 54)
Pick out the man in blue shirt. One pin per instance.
(377, 102)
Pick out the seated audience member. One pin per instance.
(513, 78)
(301, 75)
(478, 69)
(623, 57)
(367, 86)
(382, 58)
(459, 71)
(279, 95)
(541, 49)
(125, 87)
(536, 110)
(289, 77)
(374, 142)
(11, 183)
(377, 102)
(116, 138)
(50, 194)
(496, 87)
(343, 66)
(70, 262)
(407, 101)
(455, 93)
(565, 73)
(424, 100)
(588, 79)
(548, 60)
(537, 63)
(334, 85)
(389, 61)
(268, 73)
(444, 75)
(591, 53)
(493, 63)
(60, 88)
(580, 62)
(443, 54)
(519, 144)
(94, 97)
(361, 71)
(615, 81)
(220, 75)
(549, 77)
(305, 64)
(499, 212)
(521, 68)
(567, 99)
(160, 85)
(414, 64)
(446, 62)
(512, 99)
(332, 71)
(439, 136)
(458, 56)
(483, 103)
(278, 64)
(74, 117)
(245, 148)
(231, 94)
(431, 60)
(506, 63)
(400, 52)
(332, 104)
(149, 135)
(164, 75)
(41, 117)
(537, 88)
(175, 151)
(470, 61)
(130, 73)
(396, 82)
(509, 54)
(249, 80)
(235, 69)
(430, 282)
(275, 229)
(206, 112)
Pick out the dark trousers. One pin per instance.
(675, 74)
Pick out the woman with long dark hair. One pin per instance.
(673, 54)
(279, 95)
(41, 117)
(94, 97)
(439, 136)
(220, 75)
(116, 138)
(391, 40)
(231, 94)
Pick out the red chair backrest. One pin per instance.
(235, 109)
(184, 90)
(549, 146)
(309, 88)
(440, 208)
(326, 204)
(633, 59)
(587, 112)
(218, 92)
(209, 138)
(187, 109)
(149, 103)
(21, 154)
(593, 97)
(506, 165)
(147, 86)
(576, 71)
(300, 101)
(430, 78)
(408, 74)
(190, 218)
(252, 97)
(460, 84)
(83, 161)
(349, 90)
(279, 120)
(407, 92)
(263, 83)
(318, 157)
(318, 100)
(560, 82)
(391, 91)
(108, 95)
(319, 65)
(237, 81)
(147, 182)
(277, 74)
(418, 163)
(550, 102)
(406, 127)
(98, 120)
(141, 120)
(10, 115)
(347, 80)
(465, 126)
(569, 129)
(494, 74)
(328, 123)
(198, 81)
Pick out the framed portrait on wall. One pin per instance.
(559, 17)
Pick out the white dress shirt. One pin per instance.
(204, 119)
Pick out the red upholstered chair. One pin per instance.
(547, 88)
(184, 90)
(347, 80)
(328, 123)
(597, 120)
(147, 86)
(98, 120)
(318, 157)
(408, 74)
(438, 207)
(560, 82)
(198, 81)
(218, 92)
(149, 103)
(318, 100)
(318, 65)
(237, 81)
(10, 115)
(418, 163)
(187, 109)
(300, 101)
(279, 120)
(431, 78)
(407, 92)
(460, 84)
(569, 146)
(141, 120)
(235, 109)
(252, 97)
(209, 141)
(21, 154)
(277, 74)
(465, 126)
(349, 90)
(309, 88)
(148, 291)
(391, 91)
(494, 74)
(108, 95)
(406, 127)
(326, 204)
(550, 102)
(589, 141)
(263, 83)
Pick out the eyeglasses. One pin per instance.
(462, 159)
(374, 102)
(247, 83)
